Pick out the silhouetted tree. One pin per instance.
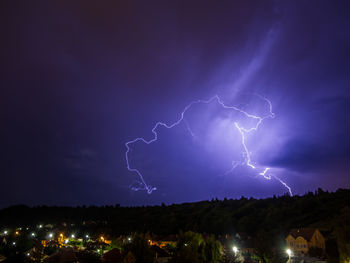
(342, 232)
(189, 248)
(140, 248)
(212, 250)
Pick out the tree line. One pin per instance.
(267, 220)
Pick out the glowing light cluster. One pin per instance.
(141, 183)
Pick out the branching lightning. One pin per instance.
(141, 183)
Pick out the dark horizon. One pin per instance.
(81, 79)
(172, 204)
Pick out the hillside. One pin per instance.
(277, 214)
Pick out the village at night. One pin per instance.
(185, 131)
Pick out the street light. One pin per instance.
(289, 252)
(235, 249)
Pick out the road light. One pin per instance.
(289, 252)
(5, 232)
(235, 249)
(72, 236)
(50, 235)
(32, 234)
(87, 236)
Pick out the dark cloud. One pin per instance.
(304, 156)
(329, 147)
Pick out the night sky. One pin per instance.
(81, 78)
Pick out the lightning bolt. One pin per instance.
(142, 185)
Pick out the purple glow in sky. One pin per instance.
(141, 184)
(80, 79)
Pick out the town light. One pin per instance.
(40, 226)
(5, 232)
(28, 254)
(66, 241)
(235, 249)
(129, 239)
(289, 252)
(32, 234)
(50, 235)
(61, 235)
(87, 236)
(72, 236)
(17, 233)
(14, 243)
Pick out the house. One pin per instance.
(112, 256)
(161, 256)
(301, 240)
(245, 243)
(162, 242)
(247, 247)
(63, 256)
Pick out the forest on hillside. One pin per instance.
(268, 220)
(276, 214)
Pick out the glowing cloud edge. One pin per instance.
(243, 131)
